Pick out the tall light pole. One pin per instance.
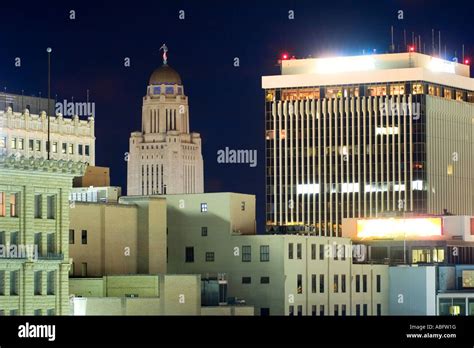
(48, 143)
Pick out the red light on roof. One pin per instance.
(284, 56)
(466, 61)
(412, 48)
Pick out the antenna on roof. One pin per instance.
(405, 38)
(439, 44)
(413, 38)
(392, 46)
(463, 53)
(432, 42)
(419, 43)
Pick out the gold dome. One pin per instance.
(165, 74)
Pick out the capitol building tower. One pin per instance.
(165, 157)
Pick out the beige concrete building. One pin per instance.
(26, 134)
(128, 237)
(94, 176)
(165, 156)
(34, 220)
(144, 295)
(213, 235)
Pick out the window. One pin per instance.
(417, 88)
(64, 149)
(38, 243)
(189, 254)
(55, 147)
(321, 251)
(169, 90)
(298, 251)
(80, 149)
(357, 283)
(2, 203)
(379, 283)
(358, 310)
(203, 207)
(246, 280)
(313, 283)
(336, 310)
(84, 237)
(246, 253)
(14, 282)
(13, 312)
(38, 145)
(264, 280)
(2, 237)
(50, 243)
(321, 283)
(14, 238)
(50, 312)
(336, 252)
(448, 93)
(264, 253)
(21, 144)
(71, 236)
(313, 310)
(86, 150)
(242, 206)
(38, 204)
(321, 310)
(209, 256)
(31, 145)
(37, 281)
(313, 251)
(343, 310)
(300, 310)
(70, 149)
(264, 312)
(379, 309)
(13, 143)
(51, 207)
(299, 283)
(72, 269)
(2, 283)
(291, 311)
(38, 312)
(3, 142)
(364, 283)
(343, 283)
(204, 231)
(13, 204)
(290, 251)
(336, 283)
(365, 309)
(84, 269)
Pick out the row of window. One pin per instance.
(50, 282)
(204, 207)
(337, 307)
(50, 206)
(72, 236)
(37, 312)
(246, 253)
(14, 283)
(36, 145)
(38, 237)
(248, 280)
(336, 251)
(13, 203)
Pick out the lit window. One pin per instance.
(448, 93)
(13, 143)
(55, 147)
(459, 95)
(2, 203)
(203, 207)
(450, 169)
(71, 149)
(417, 88)
(13, 205)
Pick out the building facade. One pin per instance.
(34, 223)
(165, 157)
(214, 235)
(128, 237)
(367, 135)
(26, 134)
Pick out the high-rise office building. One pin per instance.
(165, 157)
(365, 136)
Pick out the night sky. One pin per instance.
(226, 103)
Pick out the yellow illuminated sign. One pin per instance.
(399, 228)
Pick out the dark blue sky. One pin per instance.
(226, 103)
